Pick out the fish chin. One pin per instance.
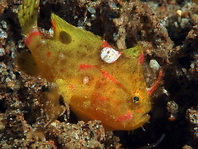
(142, 119)
(135, 123)
(145, 117)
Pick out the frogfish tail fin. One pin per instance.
(28, 15)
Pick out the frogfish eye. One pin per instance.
(136, 99)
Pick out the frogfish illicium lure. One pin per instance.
(98, 82)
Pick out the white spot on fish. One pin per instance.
(109, 55)
(85, 79)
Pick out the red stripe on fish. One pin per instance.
(97, 96)
(107, 75)
(105, 44)
(141, 58)
(85, 66)
(72, 87)
(54, 25)
(112, 79)
(125, 117)
(28, 39)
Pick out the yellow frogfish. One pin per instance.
(98, 82)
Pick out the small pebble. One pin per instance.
(187, 147)
(154, 64)
(2, 52)
(4, 24)
(51, 32)
(184, 22)
(192, 116)
(91, 10)
(3, 34)
(179, 12)
(172, 108)
(192, 65)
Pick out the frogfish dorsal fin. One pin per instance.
(69, 33)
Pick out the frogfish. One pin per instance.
(97, 80)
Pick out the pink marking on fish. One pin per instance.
(72, 87)
(28, 39)
(85, 66)
(54, 25)
(107, 75)
(105, 44)
(125, 117)
(141, 58)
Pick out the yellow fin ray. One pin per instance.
(28, 15)
(133, 52)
